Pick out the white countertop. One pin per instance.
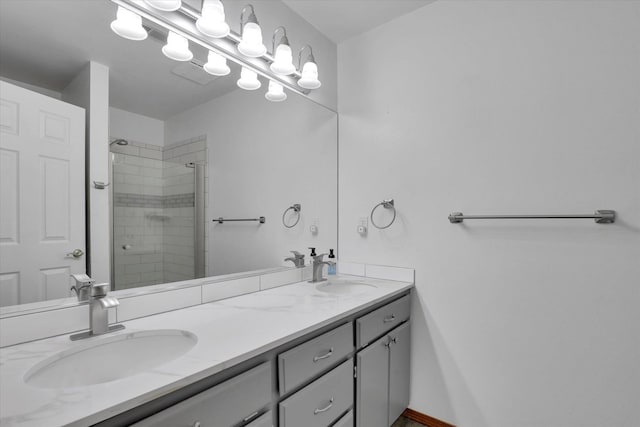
(229, 331)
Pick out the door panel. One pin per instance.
(399, 371)
(373, 385)
(42, 191)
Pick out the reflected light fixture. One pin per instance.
(276, 92)
(177, 48)
(283, 59)
(165, 5)
(251, 43)
(216, 64)
(309, 79)
(212, 22)
(248, 80)
(128, 25)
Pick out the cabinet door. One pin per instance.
(373, 385)
(265, 420)
(399, 371)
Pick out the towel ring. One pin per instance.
(387, 204)
(296, 208)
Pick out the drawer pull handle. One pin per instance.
(325, 409)
(324, 356)
(248, 417)
(390, 318)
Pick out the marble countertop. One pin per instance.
(229, 332)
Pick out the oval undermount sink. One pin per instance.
(344, 287)
(110, 358)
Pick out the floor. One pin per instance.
(406, 422)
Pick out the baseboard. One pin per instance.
(424, 419)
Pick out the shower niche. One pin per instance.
(157, 197)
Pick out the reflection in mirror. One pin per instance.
(181, 148)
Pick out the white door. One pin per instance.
(42, 210)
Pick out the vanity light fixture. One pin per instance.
(177, 48)
(309, 79)
(216, 64)
(128, 25)
(251, 33)
(276, 92)
(212, 22)
(283, 59)
(248, 79)
(165, 5)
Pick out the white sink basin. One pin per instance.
(344, 287)
(104, 359)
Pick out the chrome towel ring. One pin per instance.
(296, 208)
(387, 204)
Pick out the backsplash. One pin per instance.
(140, 303)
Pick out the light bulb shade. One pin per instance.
(283, 61)
(309, 79)
(216, 65)
(128, 25)
(248, 80)
(165, 5)
(276, 92)
(251, 43)
(212, 23)
(177, 48)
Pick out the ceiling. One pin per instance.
(46, 43)
(340, 20)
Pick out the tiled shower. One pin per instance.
(158, 212)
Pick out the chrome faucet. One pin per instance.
(82, 287)
(318, 264)
(99, 305)
(297, 259)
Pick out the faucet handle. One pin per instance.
(297, 254)
(99, 290)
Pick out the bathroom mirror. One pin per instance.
(185, 148)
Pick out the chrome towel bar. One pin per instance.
(221, 220)
(600, 217)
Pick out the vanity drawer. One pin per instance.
(265, 420)
(346, 421)
(322, 401)
(312, 357)
(223, 405)
(376, 323)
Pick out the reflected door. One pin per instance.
(42, 211)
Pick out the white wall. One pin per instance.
(505, 107)
(262, 158)
(90, 90)
(136, 127)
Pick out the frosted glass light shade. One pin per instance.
(177, 48)
(251, 44)
(283, 61)
(216, 65)
(165, 5)
(309, 79)
(276, 92)
(248, 80)
(128, 25)
(212, 23)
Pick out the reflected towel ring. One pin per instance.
(387, 204)
(296, 208)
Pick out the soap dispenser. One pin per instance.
(331, 268)
(311, 255)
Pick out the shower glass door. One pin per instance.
(154, 215)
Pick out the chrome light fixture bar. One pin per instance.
(183, 23)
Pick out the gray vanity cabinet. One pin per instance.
(230, 403)
(382, 384)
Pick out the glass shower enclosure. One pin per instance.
(158, 219)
